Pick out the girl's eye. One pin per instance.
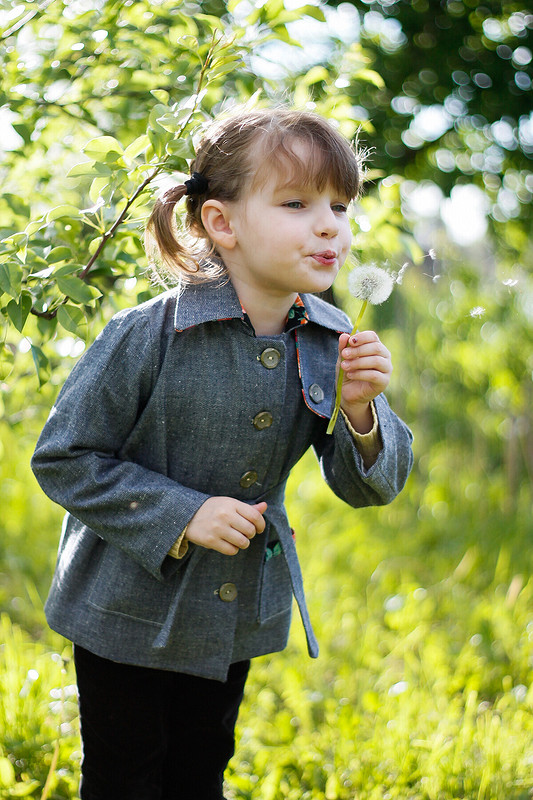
(340, 208)
(294, 204)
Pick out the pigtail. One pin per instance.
(161, 237)
(183, 253)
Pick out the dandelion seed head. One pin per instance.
(477, 311)
(370, 283)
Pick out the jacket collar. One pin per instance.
(217, 300)
(207, 302)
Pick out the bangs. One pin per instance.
(306, 160)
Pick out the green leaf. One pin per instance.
(97, 187)
(371, 76)
(271, 9)
(11, 279)
(158, 140)
(215, 23)
(103, 147)
(224, 66)
(23, 131)
(64, 210)
(46, 327)
(42, 367)
(312, 11)
(183, 147)
(25, 788)
(68, 269)
(161, 95)
(172, 121)
(137, 146)
(7, 772)
(94, 244)
(16, 204)
(36, 225)
(158, 110)
(77, 290)
(7, 361)
(71, 318)
(16, 240)
(35, 260)
(18, 311)
(85, 168)
(315, 75)
(59, 254)
(143, 297)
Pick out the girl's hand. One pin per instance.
(367, 367)
(226, 525)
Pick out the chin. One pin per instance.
(316, 287)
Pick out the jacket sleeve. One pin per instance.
(78, 460)
(343, 468)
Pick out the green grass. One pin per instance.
(423, 688)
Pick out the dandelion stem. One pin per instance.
(340, 378)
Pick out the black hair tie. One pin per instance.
(196, 184)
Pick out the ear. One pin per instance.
(216, 218)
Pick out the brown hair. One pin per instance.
(235, 155)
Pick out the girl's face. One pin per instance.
(287, 238)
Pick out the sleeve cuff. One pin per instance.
(369, 444)
(180, 546)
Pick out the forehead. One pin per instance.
(298, 163)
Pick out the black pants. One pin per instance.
(150, 734)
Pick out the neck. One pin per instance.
(267, 313)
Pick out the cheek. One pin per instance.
(346, 241)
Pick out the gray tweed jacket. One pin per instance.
(177, 401)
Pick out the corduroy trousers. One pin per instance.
(150, 734)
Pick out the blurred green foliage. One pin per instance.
(423, 688)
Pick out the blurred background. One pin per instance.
(424, 609)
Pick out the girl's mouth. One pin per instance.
(327, 257)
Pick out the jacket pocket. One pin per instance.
(276, 591)
(123, 587)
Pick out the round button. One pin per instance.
(316, 393)
(248, 479)
(263, 420)
(227, 592)
(270, 357)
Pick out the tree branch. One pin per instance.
(140, 189)
(120, 219)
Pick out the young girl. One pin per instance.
(170, 446)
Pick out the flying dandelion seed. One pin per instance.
(432, 254)
(477, 311)
(510, 282)
(397, 277)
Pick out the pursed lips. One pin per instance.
(325, 257)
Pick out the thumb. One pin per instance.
(261, 507)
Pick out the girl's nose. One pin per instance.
(329, 228)
(328, 224)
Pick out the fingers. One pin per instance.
(226, 525)
(363, 353)
(255, 515)
(243, 526)
(367, 367)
